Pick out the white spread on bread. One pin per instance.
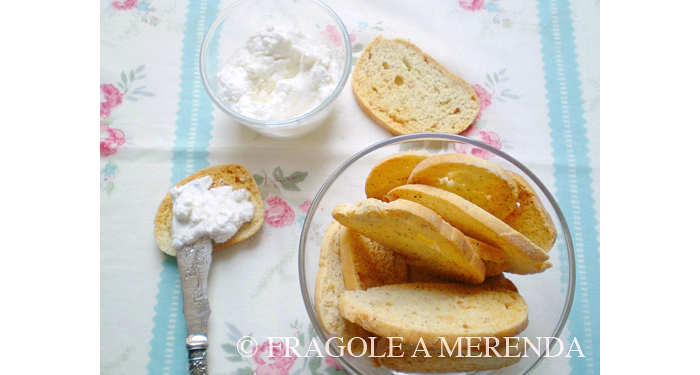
(279, 74)
(217, 213)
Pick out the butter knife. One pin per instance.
(193, 261)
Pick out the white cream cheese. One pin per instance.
(217, 213)
(279, 74)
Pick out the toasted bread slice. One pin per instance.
(391, 172)
(406, 91)
(521, 255)
(418, 273)
(367, 263)
(427, 312)
(492, 257)
(451, 357)
(500, 281)
(330, 286)
(416, 232)
(479, 181)
(531, 217)
(232, 175)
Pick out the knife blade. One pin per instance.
(193, 262)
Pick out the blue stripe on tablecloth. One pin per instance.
(193, 132)
(573, 184)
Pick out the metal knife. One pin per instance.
(193, 261)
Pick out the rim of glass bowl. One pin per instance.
(347, 67)
(308, 301)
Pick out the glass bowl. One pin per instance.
(549, 294)
(234, 26)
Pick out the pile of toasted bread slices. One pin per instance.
(423, 257)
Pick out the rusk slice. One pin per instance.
(521, 255)
(233, 175)
(418, 273)
(416, 232)
(391, 172)
(406, 91)
(492, 257)
(477, 180)
(367, 263)
(531, 218)
(413, 359)
(428, 312)
(330, 286)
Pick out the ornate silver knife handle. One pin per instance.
(197, 353)
(193, 261)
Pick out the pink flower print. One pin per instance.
(110, 140)
(305, 207)
(484, 99)
(332, 362)
(462, 148)
(272, 359)
(333, 35)
(124, 4)
(279, 213)
(110, 98)
(490, 138)
(472, 5)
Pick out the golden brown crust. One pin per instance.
(391, 172)
(479, 181)
(520, 254)
(232, 175)
(405, 90)
(416, 232)
(531, 217)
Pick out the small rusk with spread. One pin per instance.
(232, 175)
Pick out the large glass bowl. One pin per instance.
(237, 23)
(549, 294)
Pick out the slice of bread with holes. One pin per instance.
(406, 91)
(232, 175)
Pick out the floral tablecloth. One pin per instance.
(534, 65)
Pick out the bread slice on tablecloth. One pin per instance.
(521, 255)
(416, 232)
(406, 91)
(232, 175)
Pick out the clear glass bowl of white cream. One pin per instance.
(276, 66)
